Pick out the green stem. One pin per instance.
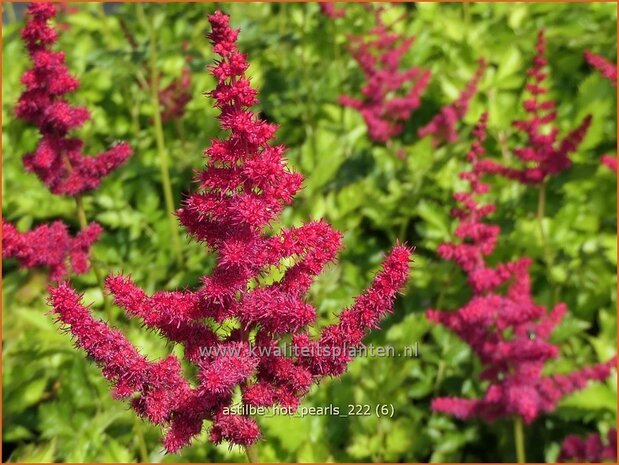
(252, 454)
(10, 11)
(134, 109)
(83, 222)
(541, 209)
(519, 440)
(140, 439)
(159, 138)
(180, 130)
(467, 16)
(440, 373)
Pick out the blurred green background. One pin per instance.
(56, 405)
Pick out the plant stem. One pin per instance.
(541, 208)
(83, 222)
(180, 129)
(140, 439)
(252, 454)
(440, 373)
(159, 138)
(519, 440)
(10, 11)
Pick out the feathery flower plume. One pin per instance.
(58, 160)
(390, 95)
(544, 154)
(606, 68)
(507, 330)
(590, 449)
(50, 245)
(329, 9)
(244, 186)
(442, 127)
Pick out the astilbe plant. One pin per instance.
(58, 160)
(50, 245)
(501, 323)
(443, 126)
(590, 449)
(243, 188)
(390, 94)
(544, 153)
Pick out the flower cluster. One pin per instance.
(175, 96)
(507, 330)
(50, 245)
(605, 67)
(544, 153)
(329, 9)
(590, 449)
(390, 95)
(442, 126)
(244, 186)
(58, 160)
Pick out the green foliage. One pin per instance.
(57, 407)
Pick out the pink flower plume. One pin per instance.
(501, 322)
(58, 160)
(243, 188)
(544, 154)
(442, 127)
(390, 94)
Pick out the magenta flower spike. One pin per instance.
(442, 127)
(390, 95)
(544, 154)
(244, 186)
(506, 329)
(606, 68)
(58, 160)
